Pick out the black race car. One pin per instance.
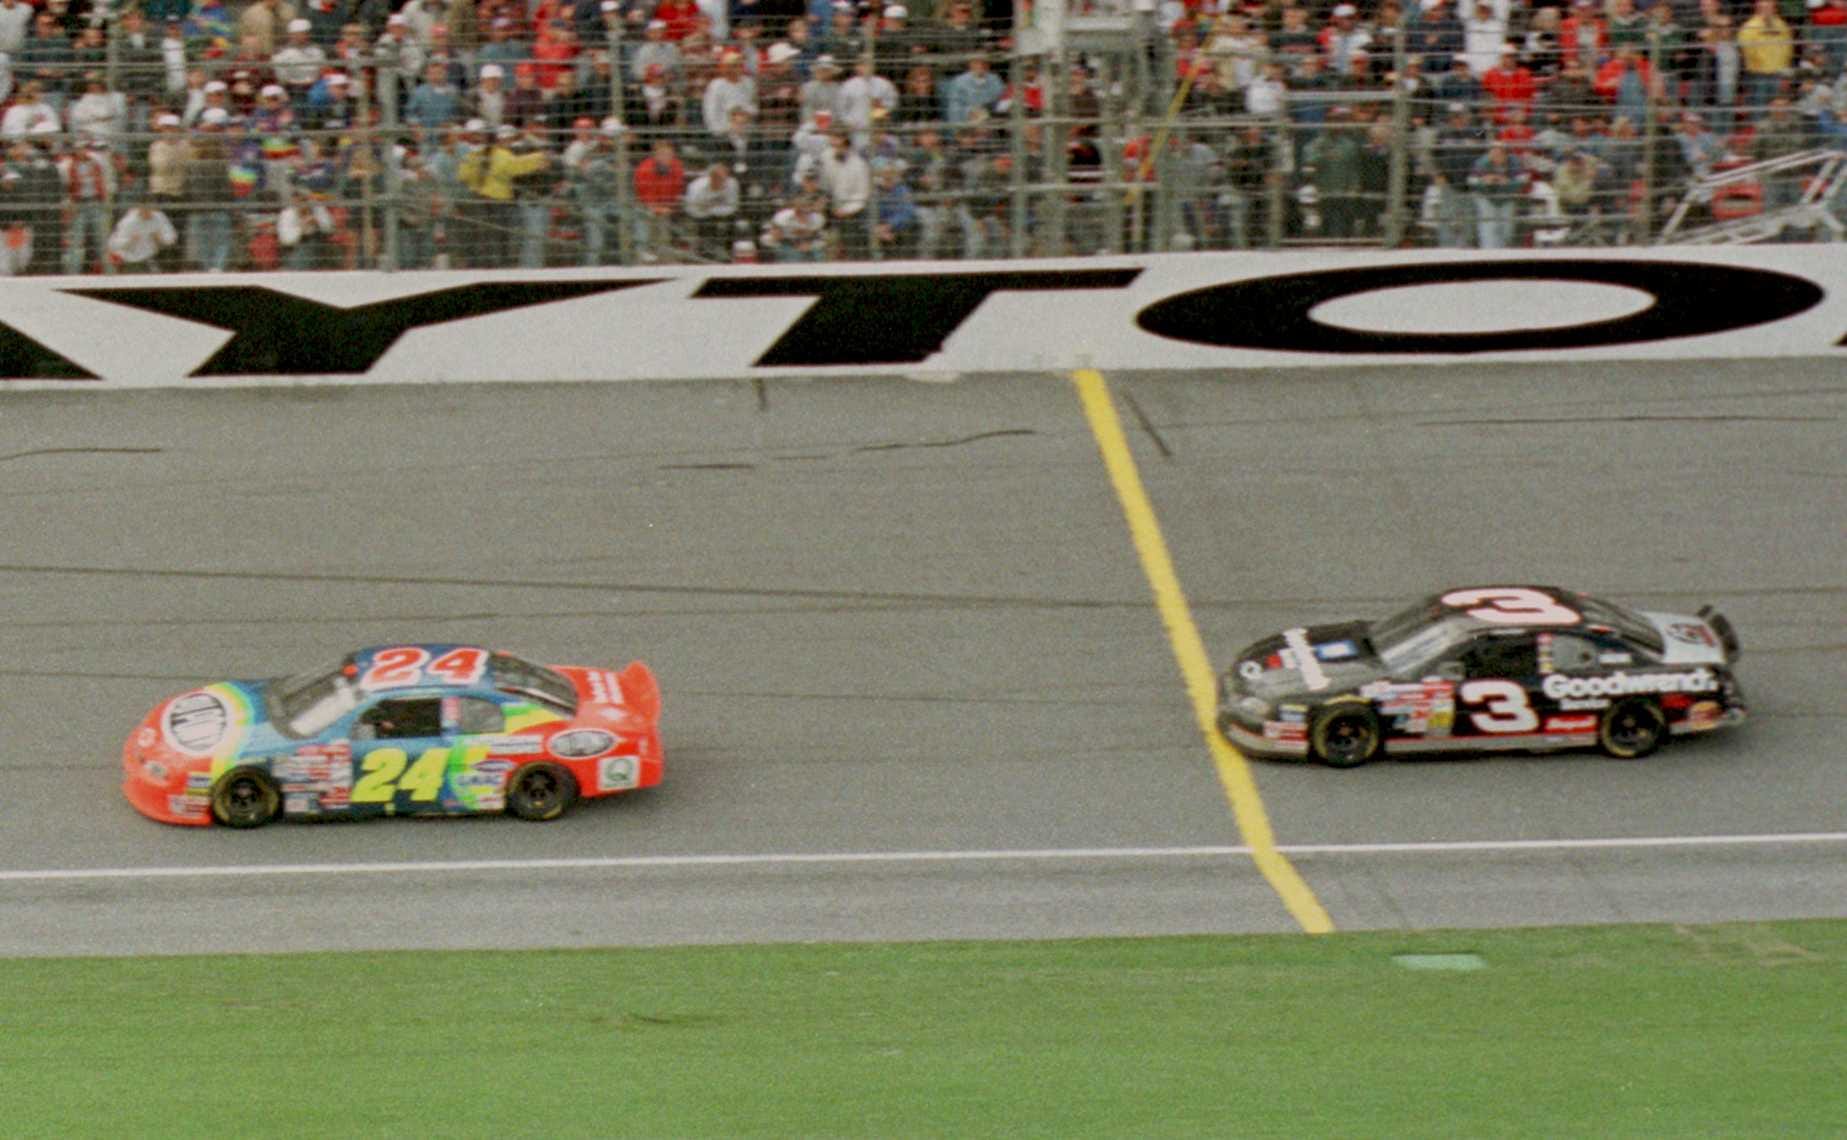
(1483, 668)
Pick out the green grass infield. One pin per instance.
(1653, 1031)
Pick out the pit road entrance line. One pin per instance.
(1234, 771)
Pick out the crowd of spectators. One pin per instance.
(192, 134)
(1572, 119)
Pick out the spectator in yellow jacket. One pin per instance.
(496, 172)
(1768, 48)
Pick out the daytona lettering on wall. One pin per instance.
(1188, 311)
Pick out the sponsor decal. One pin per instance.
(1704, 715)
(336, 799)
(155, 771)
(1620, 684)
(583, 743)
(1691, 299)
(195, 721)
(279, 333)
(485, 774)
(1336, 650)
(1250, 670)
(514, 745)
(617, 772)
(145, 737)
(1293, 714)
(604, 688)
(1286, 732)
(1692, 633)
(1570, 705)
(199, 781)
(1426, 707)
(1616, 658)
(835, 330)
(186, 804)
(1305, 662)
(298, 804)
(1571, 724)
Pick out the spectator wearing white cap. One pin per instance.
(656, 50)
(168, 155)
(298, 62)
(330, 103)
(1345, 38)
(266, 21)
(822, 91)
(490, 96)
(401, 43)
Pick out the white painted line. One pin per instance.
(647, 862)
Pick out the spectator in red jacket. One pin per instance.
(1509, 83)
(660, 181)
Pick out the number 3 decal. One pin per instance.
(1511, 605)
(1507, 709)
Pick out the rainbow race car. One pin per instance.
(398, 729)
(1484, 668)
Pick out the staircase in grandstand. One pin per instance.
(1735, 200)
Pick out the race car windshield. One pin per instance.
(536, 681)
(1404, 624)
(1408, 646)
(305, 704)
(1633, 626)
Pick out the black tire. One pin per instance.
(1344, 735)
(245, 798)
(540, 792)
(1631, 728)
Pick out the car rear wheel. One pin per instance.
(1632, 728)
(245, 797)
(541, 792)
(1345, 735)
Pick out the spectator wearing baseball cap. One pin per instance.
(656, 50)
(298, 62)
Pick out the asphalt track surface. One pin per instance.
(916, 686)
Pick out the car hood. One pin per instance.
(1338, 657)
(217, 721)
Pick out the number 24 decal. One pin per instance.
(386, 776)
(406, 665)
(1505, 704)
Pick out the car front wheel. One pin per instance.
(245, 797)
(1345, 735)
(541, 792)
(1632, 728)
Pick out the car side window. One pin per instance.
(1572, 654)
(1502, 656)
(479, 715)
(398, 718)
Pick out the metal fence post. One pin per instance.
(625, 238)
(1399, 175)
(1644, 222)
(1281, 166)
(1016, 130)
(388, 113)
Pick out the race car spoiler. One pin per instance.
(1728, 636)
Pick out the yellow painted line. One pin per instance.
(1234, 770)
